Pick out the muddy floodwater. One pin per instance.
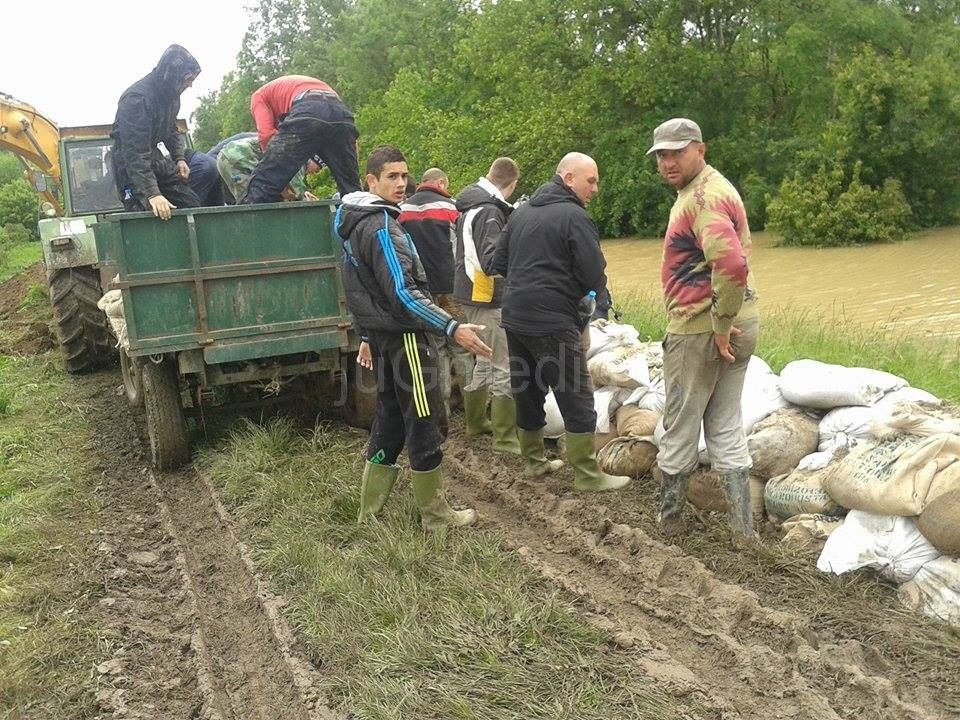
(912, 286)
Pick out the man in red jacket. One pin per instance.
(298, 117)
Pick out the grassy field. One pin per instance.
(407, 625)
(785, 336)
(47, 641)
(19, 257)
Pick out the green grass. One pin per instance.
(19, 257)
(47, 640)
(785, 335)
(404, 625)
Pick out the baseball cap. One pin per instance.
(675, 134)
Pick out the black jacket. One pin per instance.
(383, 278)
(550, 255)
(147, 115)
(482, 217)
(429, 215)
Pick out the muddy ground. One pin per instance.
(195, 633)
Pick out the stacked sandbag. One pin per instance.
(813, 384)
(705, 490)
(636, 421)
(624, 366)
(939, 522)
(935, 590)
(781, 440)
(632, 456)
(896, 477)
(800, 492)
(606, 335)
(809, 531)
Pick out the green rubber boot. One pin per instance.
(435, 511)
(475, 412)
(375, 488)
(535, 461)
(736, 483)
(588, 477)
(503, 418)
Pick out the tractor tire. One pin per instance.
(132, 379)
(360, 406)
(82, 328)
(166, 428)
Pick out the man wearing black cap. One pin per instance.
(712, 328)
(147, 115)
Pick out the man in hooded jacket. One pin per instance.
(550, 255)
(147, 115)
(483, 213)
(388, 294)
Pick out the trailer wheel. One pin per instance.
(132, 379)
(82, 330)
(165, 423)
(360, 406)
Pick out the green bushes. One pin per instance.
(824, 209)
(18, 206)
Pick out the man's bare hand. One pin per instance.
(723, 343)
(309, 196)
(466, 337)
(364, 357)
(183, 170)
(161, 207)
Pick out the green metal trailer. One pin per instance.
(229, 295)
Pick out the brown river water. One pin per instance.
(911, 287)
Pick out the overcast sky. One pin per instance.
(72, 60)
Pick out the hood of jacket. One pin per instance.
(553, 192)
(359, 205)
(174, 65)
(474, 196)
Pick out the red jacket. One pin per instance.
(272, 101)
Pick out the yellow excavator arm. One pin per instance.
(34, 139)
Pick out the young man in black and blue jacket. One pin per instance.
(388, 294)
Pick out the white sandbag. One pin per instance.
(912, 395)
(892, 545)
(896, 477)
(935, 590)
(904, 418)
(818, 460)
(606, 335)
(602, 400)
(854, 422)
(655, 397)
(814, 384)
(554, 426)
(112, 306)
(624, 367)
(761, 394)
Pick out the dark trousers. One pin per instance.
(541, 363)
(314, 126)
(171, 187)
(205, 179)
(410, 406)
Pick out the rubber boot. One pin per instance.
(375, 488)
(534, 456)
(503, 418)
(739, 513)
(435, 511)
(475, 412)
(673, 490)
(587, 475)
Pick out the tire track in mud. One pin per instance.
(682, 624)
(197, 635)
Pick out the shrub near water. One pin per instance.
(408, 625)
(823, 209)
